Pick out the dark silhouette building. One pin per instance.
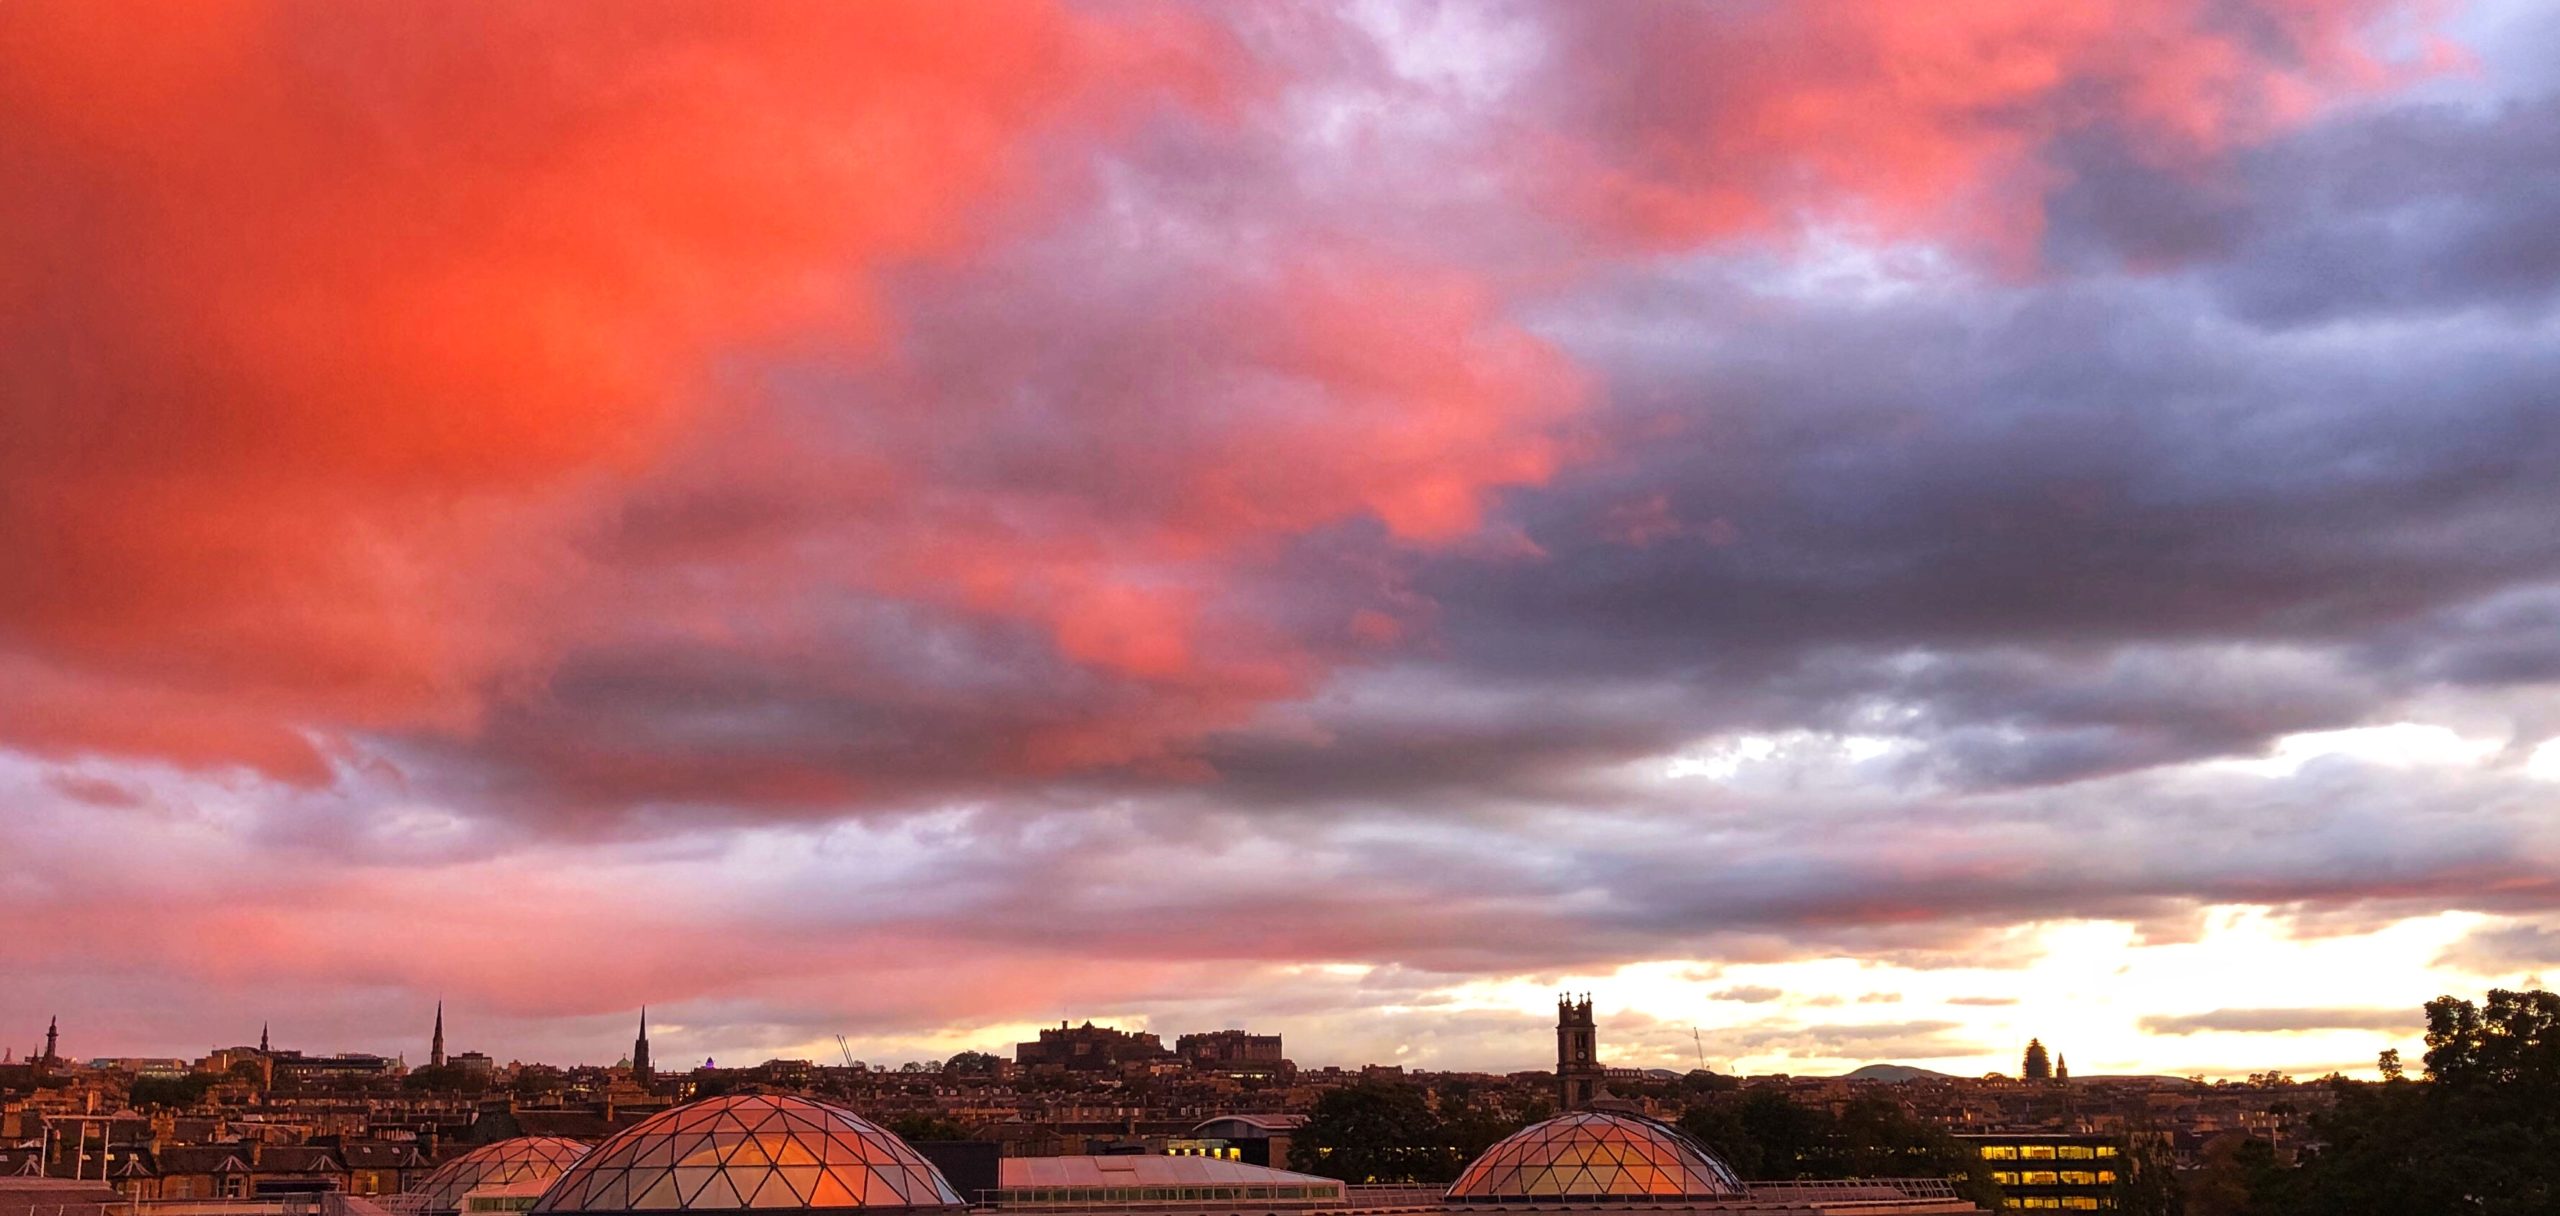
(435, 1048)
(1220, 1048)
(640, 1070)
(1578, 1072)
(1088, 1048)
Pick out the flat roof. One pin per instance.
(1142, 1169)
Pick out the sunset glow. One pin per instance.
(1862, 531)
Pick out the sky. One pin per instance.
(1851, 532)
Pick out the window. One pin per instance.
(2106, 1150)
(1999, 1152)
(2075, 1152)
(2035, 1152)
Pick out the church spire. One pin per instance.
(262, 1038)
(640, 1050)
(435, 1048)
(52, 1031)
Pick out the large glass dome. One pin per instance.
(523, 1159)
(751, 1152)
(1595, 1156)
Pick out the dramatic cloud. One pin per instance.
(1330, 517)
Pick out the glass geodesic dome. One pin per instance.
(751, 1152)
(1595, 1157)
(523, 1159)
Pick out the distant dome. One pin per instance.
(523, 1159)
(752, 1152)
(1595, 1156)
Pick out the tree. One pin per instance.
(533, 1080)
(438, 1079)
(1472, 1121)
(923, 1126)
(973, 1063)
(170, 1093)
(2389, 1065)
(2238, 1176)
(1376, 1131)
(2036, 1066)
(2481, 1135)
(1764, 1134)
(2147, 1178)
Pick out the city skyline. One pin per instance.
(1855, 532)
(1655, 1045)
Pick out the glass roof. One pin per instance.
(523, 1159)
(750, 1152)
(1595, 1156)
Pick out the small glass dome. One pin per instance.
(751, 1152)
(1596, 1157)
(523, 1159)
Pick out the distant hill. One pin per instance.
(1895, 1074)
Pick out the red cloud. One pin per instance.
(324, 321)
(1682, 124)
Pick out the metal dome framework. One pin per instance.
(1595, 1157)
(522, 1159)
(752, 1152)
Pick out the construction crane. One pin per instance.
(847, 1049)
(1701, 1045)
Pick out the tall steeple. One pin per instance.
(435, 1049)
(1578, 1071)
(640, 1050)
(262, 1038)
(52, 1032)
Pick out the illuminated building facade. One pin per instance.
(2052, 1172)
